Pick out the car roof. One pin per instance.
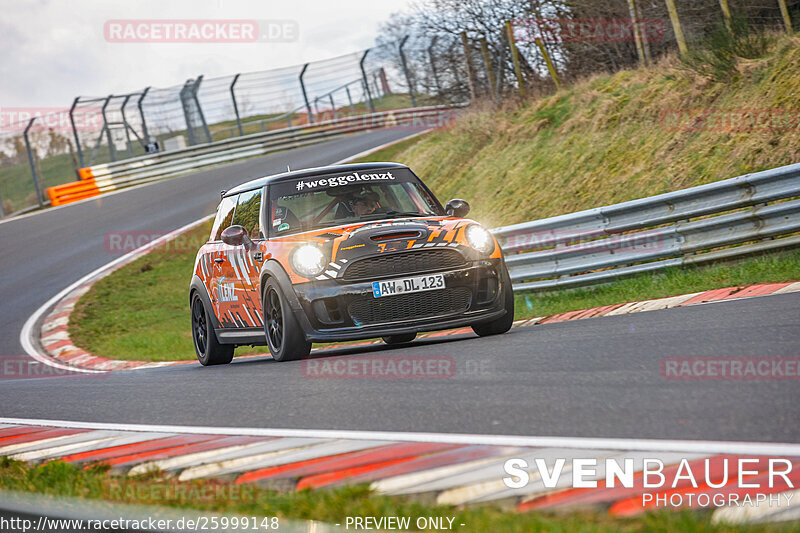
(308, 172)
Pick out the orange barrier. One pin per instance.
(72, 192)
(85, 173)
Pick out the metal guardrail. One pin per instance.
(690, 226)
(98, 179)
(165, 164)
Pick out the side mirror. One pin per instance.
(236, 236)
(457, 208)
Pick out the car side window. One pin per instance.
(224, 217)
(248, 213)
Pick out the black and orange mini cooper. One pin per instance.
(342, 253)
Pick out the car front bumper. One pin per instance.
(332, 310)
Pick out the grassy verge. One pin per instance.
(613, 138)
(775, 267)
(333, 506)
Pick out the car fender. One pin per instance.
(198, 286)
(274, 269)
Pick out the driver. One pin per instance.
(365, 205)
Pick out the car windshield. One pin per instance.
(311, 203)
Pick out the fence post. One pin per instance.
(31, 163)
(125, 124)
(112, 154)
(75, 130)
(468, 62)
(676, 27)
(333, 106)
(550, 66)
(384, 82)
(305, 94)
(433, 67)
(512, 44)
(195, 88)
(364, 81)
(487, 61)
(405, 70)
(636, 37)
(787, 21)
(236, 106)
(726, 13)
(377, 88)
(349, 98)
(145, 134)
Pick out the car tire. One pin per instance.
(284, 336)
(206, 345)
(399, 339)
(502, 324)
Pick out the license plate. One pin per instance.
(394, 287)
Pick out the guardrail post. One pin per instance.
(112, 154)
(405, 71)
(236, 106)
(305, 95)
(2, 213)
(145, 135)
(75, 130)
(364, 81)
(32, 164)
(512, 44)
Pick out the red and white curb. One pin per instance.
(453, 469)
(57, 345)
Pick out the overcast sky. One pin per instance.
(54, 50)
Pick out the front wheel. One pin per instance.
(399, 339)
(284, 335)
(208, 349)
(504, 323)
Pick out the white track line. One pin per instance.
(26, 335)
(654, 445)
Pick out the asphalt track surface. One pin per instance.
(589, 378)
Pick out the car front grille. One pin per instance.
(403, 263)
(411, 306)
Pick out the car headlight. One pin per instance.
(308, 261)
(479, 238)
